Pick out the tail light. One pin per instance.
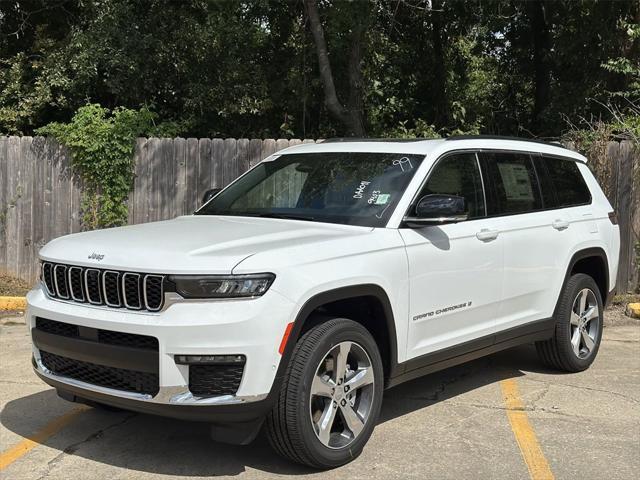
(613, 216)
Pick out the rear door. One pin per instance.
(536, 237)
(455, 270)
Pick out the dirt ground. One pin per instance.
(11, 286)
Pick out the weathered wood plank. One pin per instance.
(191, 194)
(255, 152)
(230, 170)
(38, 192)
(217, 166)
(243, 156)
(153, 191)
(625, 192)
(204, 168)
(3, 202)
(14, 192)
(180, 151)
(167, 187)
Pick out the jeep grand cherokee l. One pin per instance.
(324, 275)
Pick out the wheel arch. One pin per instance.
(593, 262)
(384, 332)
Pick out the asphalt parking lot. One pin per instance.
(503, 416)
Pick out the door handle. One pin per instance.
(560, 224)
(487, 235)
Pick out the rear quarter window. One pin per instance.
(569, 185)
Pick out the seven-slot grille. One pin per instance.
(135, 291)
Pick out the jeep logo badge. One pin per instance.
(96, 256)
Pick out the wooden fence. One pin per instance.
(40, 196)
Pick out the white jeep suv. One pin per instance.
(325, 274)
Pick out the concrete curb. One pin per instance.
(13, 303)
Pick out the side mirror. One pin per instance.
(209, 194)
(438, 209)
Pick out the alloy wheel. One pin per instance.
(341, 395)
(585, 324)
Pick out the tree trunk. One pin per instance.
(441, 104)
(538, 12)
(352, 116)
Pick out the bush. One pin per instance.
(101, 144)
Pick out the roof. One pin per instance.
(433, 147)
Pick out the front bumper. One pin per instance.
(251, 327)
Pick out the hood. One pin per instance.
(189, 244)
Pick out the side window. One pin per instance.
(569, 184)
(458, 174)
(549, 198)
(515, 184)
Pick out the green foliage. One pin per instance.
(249, 69)
(101, 143)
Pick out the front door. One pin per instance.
(456, 269)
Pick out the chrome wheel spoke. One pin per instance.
(575, 319)
(583, 301)
(588, 341)
(575, 341)
(341, 354)
(326, 423)
(351, 419)
(322, 387)
(591, 313)
(362, 377)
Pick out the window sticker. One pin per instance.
(404, 163)
(517, 184)
(383, 199)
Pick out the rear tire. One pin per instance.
(330, 398)
(578, 329)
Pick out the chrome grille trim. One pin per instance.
(64, 278)
(127, 303)
(47, 266)
(132, 290)
(106, 291)
(145, 289)
(86, 286)
(77, 298)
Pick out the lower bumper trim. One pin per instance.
(170, 402)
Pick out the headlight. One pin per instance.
(222, 286)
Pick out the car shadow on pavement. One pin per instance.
(166, 446)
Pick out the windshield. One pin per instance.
(348, 188)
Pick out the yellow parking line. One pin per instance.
(25, 446)
(13, 303)
(525, 436)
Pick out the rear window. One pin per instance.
(515, 184)
(568, 183)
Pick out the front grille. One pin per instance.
(108, 377)
(110, 337)
(209, 380)
(134, 291)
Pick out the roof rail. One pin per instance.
(504, 137)
(357, 139)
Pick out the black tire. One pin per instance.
(289, 426)
(558, 352)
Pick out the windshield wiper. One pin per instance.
(288, 216)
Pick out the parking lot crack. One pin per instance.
(71, 449)
(589, 389)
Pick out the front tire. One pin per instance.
(578, 330)
(330, 399)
